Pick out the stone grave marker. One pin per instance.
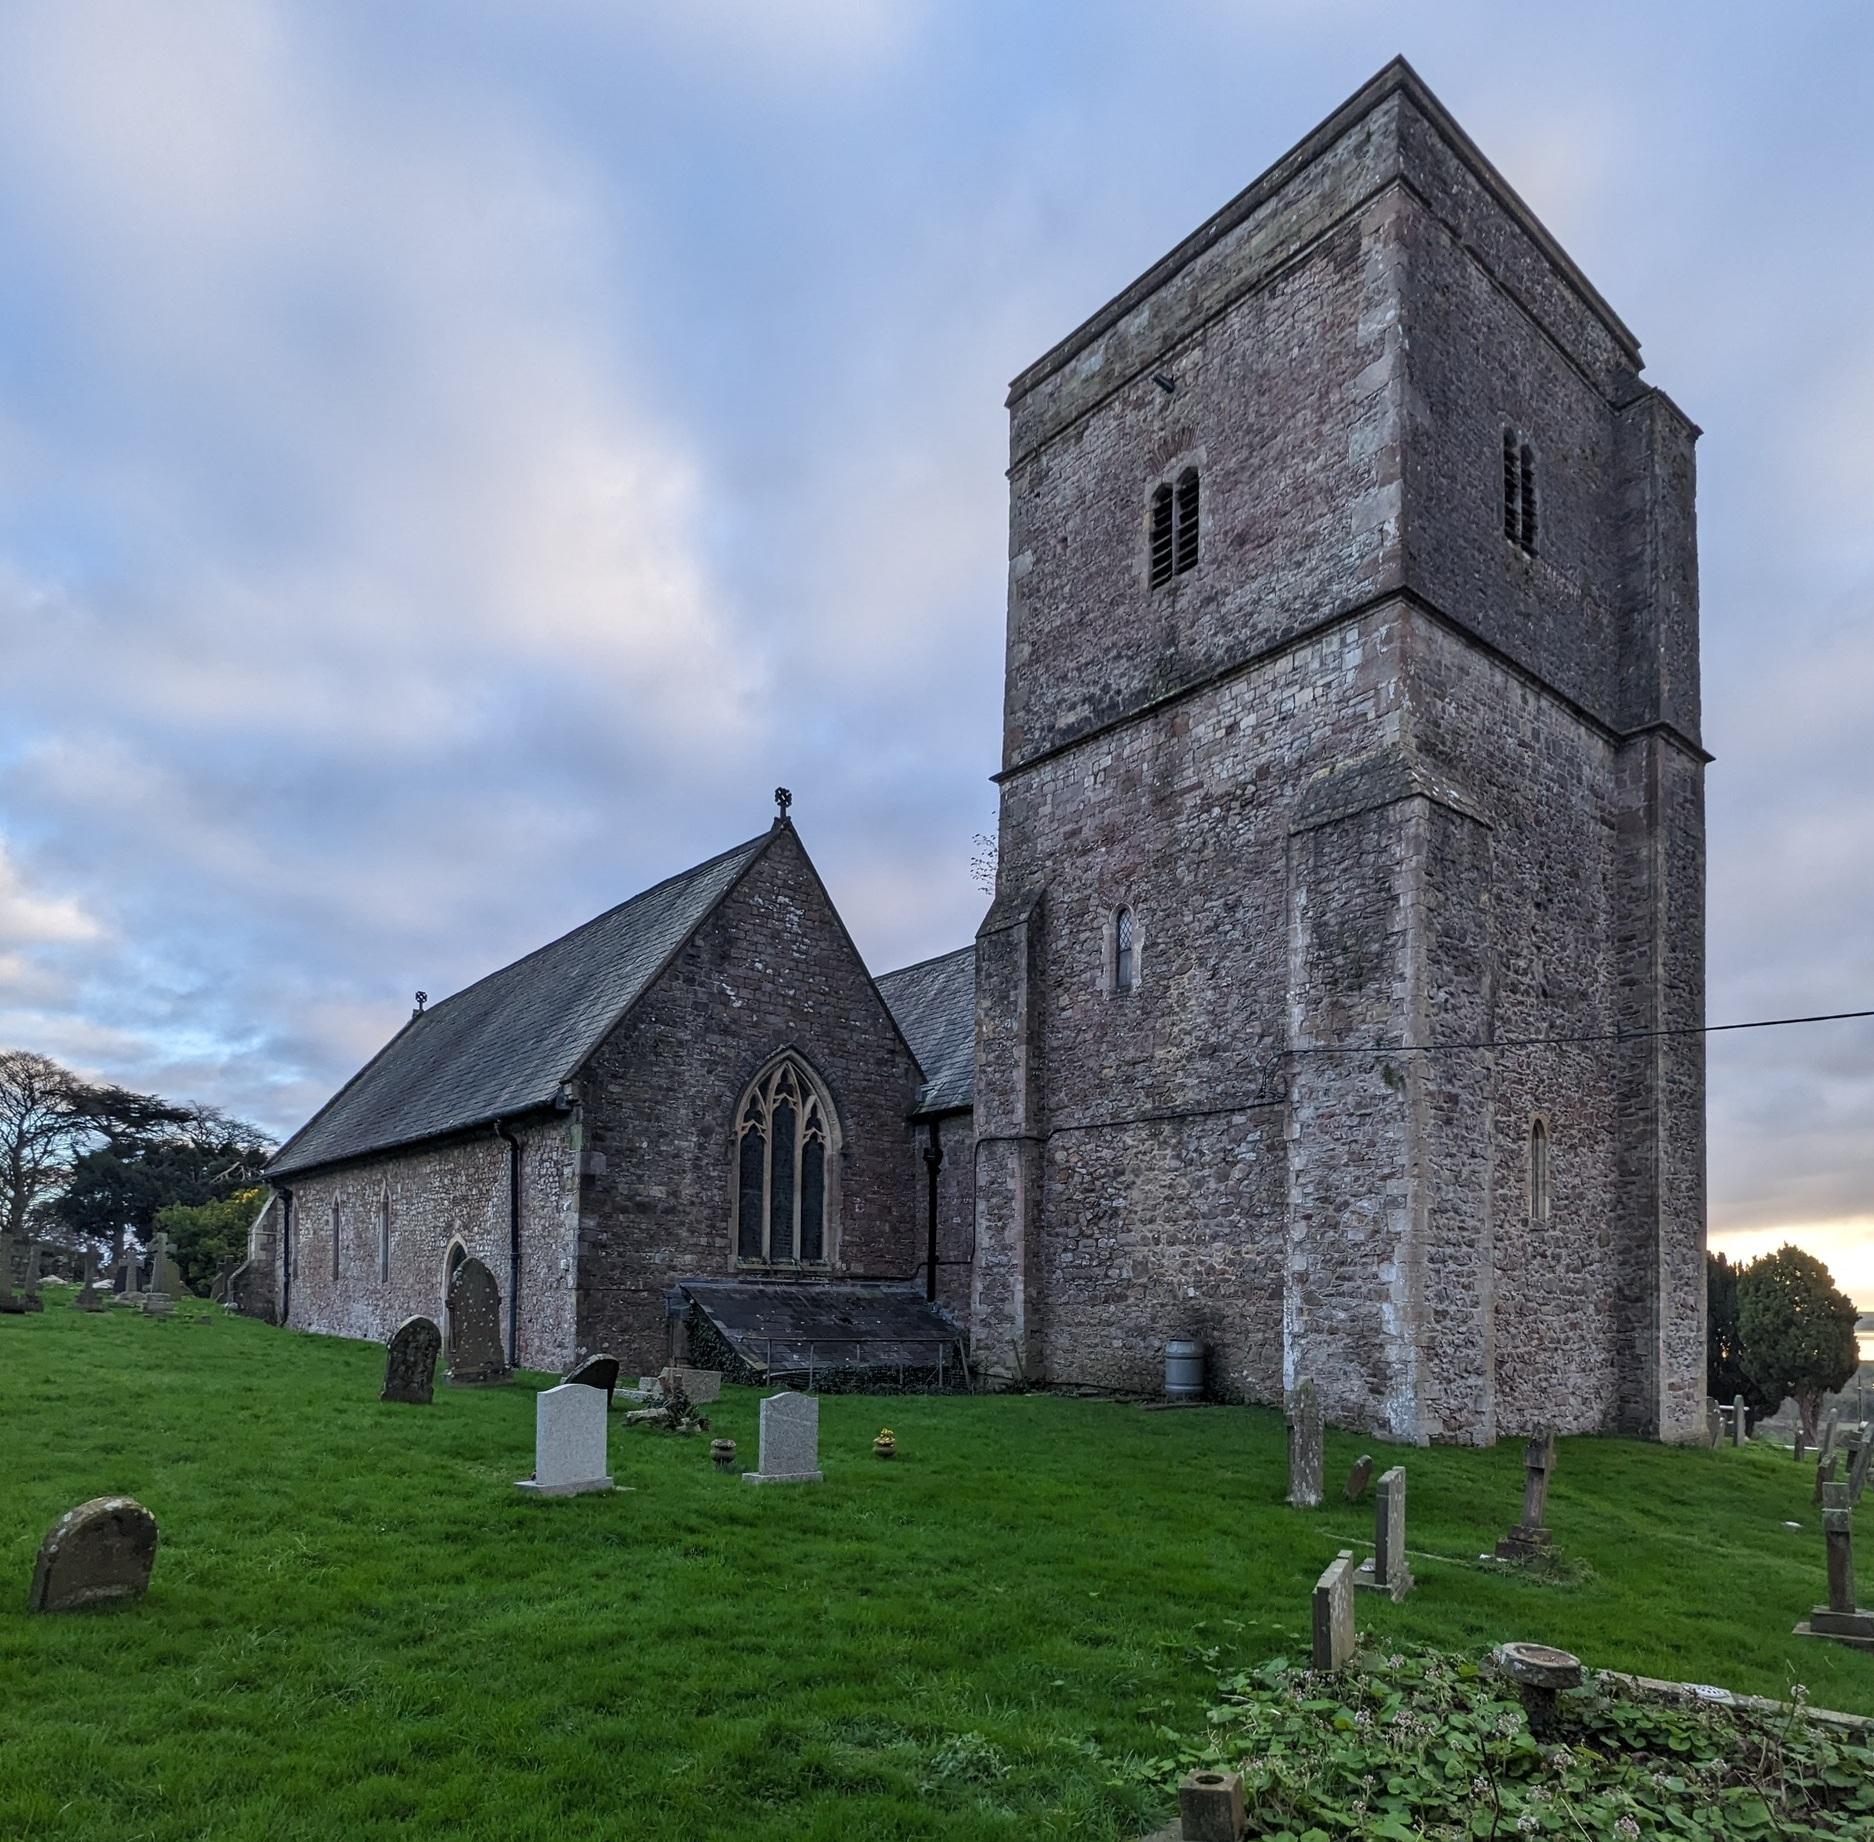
(88, 1299)
(127, 1276)
(1841, 1619)
(477, 1357)
(1801, 1446)
(1359, 1477)
(165, 1275)
(1530, 1537)
(1714, 1421)
(19, 1275)
(410, 1362)
(594, 1372)
(1305, 1460)
(1831, 1428)
(1858, 1471)
(1387, 1571)
(569, 1442)
(1210, 1807)
(1824, 1476)
(1333, 1614)
(218, 1292)
(156, 1304)
(1740, 1419)
(790, 1441)
(700, 1386)
(101, 1550)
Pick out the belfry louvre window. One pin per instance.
(783, 1138)
(1174, 528)
(1519, 492)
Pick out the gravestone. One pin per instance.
(1831, 1429)
(1841, 1619)
(218, 1292)
(1824, 1476)
(99, 1551)
(156, 1304)
(594, 1372)
(1210, 1807)
(569, 1442)
(87, 1298)
(19, 1275)
(790, 1441)
(477, 1357)
(1359, 1477)
(1740, 1419)
(165, 1275)
(1387, 1571)
(410, 1362)
(127, 1276)
(1333, 1614)
(1802, 1445)
(1304, 1447)
(700, 1386)
(1714, 1421)
(1530, 1537)
(1858, 1471)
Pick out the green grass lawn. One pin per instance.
(358, 1628)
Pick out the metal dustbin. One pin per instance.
(1184, 1369)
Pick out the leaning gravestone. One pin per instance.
(1387, 1571)
(1333, 1614)
(594, 1372)
(1304, 1447)
(87, 1295)
(101, 1550)
(1530, 1537)
(476, 1355)
(1740, 1420)
(410, 1362)
(790, 1441)
(1359, 1477)
(569, 1442)
(1858, 1471)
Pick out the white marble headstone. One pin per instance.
(790, 1441)
(569, 1442)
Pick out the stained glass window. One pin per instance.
(781, 1169)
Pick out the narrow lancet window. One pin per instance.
(1125, 959)
(1519, 492)
(1538, 1172)
(335, 1240)
(383, 1234)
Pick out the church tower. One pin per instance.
(1352, 822)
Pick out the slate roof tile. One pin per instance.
(935, 1005)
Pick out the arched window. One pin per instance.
(1519, 492)
(1164, 548)
(335, 1237)
(383, 1233)
(1187, 520)
(1125, 951)
(1539, 1172)
(785, 1137)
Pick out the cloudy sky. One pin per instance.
(456, 458)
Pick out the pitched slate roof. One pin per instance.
(506, 1043)
(935, 1005)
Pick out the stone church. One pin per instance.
(1338, 1001)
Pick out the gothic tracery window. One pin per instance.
(783, 1136)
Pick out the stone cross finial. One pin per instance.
(782, 800)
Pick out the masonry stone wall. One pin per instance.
(437, 1195)
(771, 970)
(956, 1211)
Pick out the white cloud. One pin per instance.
(32, 918)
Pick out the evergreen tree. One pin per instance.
(1795, 1330)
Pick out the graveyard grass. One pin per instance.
(358, 1628)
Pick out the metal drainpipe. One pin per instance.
(933, 1158)
(514, 1240)
(286, 1254)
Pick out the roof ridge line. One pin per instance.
(969, 946)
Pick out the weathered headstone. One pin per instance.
(594, 1372)
(1831, 1430)
(1333, 1614)
(1824, 1476)
(1802, 1445)
(701, 1386)
(1858, 1471)
(1530, 1537)
(218, 1291)
(1305, 1459)
(101, 1550)
(410, 1362)
(86, 1298)
(1841, 1619)
(156, 1304)
(477, 1357)
(790, 1441)
(19, 1275)
(165, 1275)
(1714, 1421)
(1740, 1420)
(1387, 1571)
(569, 1442)
(127, 1276)
(1359, 1477)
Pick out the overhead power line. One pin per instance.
(1545, 1042)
